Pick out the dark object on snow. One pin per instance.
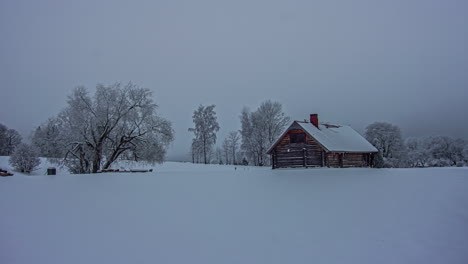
(5, 173)
(51, 171)
(137, 170)
(110, 170)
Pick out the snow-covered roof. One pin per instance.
(336, 138)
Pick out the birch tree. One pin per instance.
(226, 151)
(233, 141)
(206, 127)
(259, 129)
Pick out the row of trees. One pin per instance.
(259, 129)
(396, 152)
(205, 128)
(121, 122)
(437, 151)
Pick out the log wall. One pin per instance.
(333, 159)
(307, 154)
(354, 160)
(311, 154)
(347, 160)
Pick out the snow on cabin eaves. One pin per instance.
(334, 138)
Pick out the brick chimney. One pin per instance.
(314, 120)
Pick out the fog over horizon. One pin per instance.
(352, 62)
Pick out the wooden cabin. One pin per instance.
(310, 144)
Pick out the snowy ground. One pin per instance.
(184, 213)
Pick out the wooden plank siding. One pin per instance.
(333, 159)
(311, 154)
(307, 154)
(347, 160)
(354, 160)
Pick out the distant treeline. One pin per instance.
(120, 121)
(260, 128)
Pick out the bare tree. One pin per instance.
(24, 158)
(119, 119)
(446, 150)
(246, 133)
(9, 140)
(260, 129)
(206, 126)
(46, 139)
(465, 153)
(219, 156)
(226, 151)
(233, 143)
(418, 152)
(196, 151)
(389, 142)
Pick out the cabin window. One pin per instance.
(297, 138)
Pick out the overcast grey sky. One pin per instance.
(353, 62)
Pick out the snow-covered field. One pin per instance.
(184, 213)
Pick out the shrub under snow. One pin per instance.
(24, 159)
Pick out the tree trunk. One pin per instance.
(204, 150)
(96, 165)
(233, 156)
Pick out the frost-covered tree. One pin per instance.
(446, 151)
(3, 130)
(226, 151)
(196, 151)
(9, 140)
(206, 126)
(389, 142)
(24, 158)
(436, 151)
(233, 141)
(418, 152)
(465, 153)
(46, 139)
(259, 129)
(219, 156)
(246, 132)
(119, 120)
(378, 161)
(230, 148)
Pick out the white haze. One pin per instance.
(403, 62)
